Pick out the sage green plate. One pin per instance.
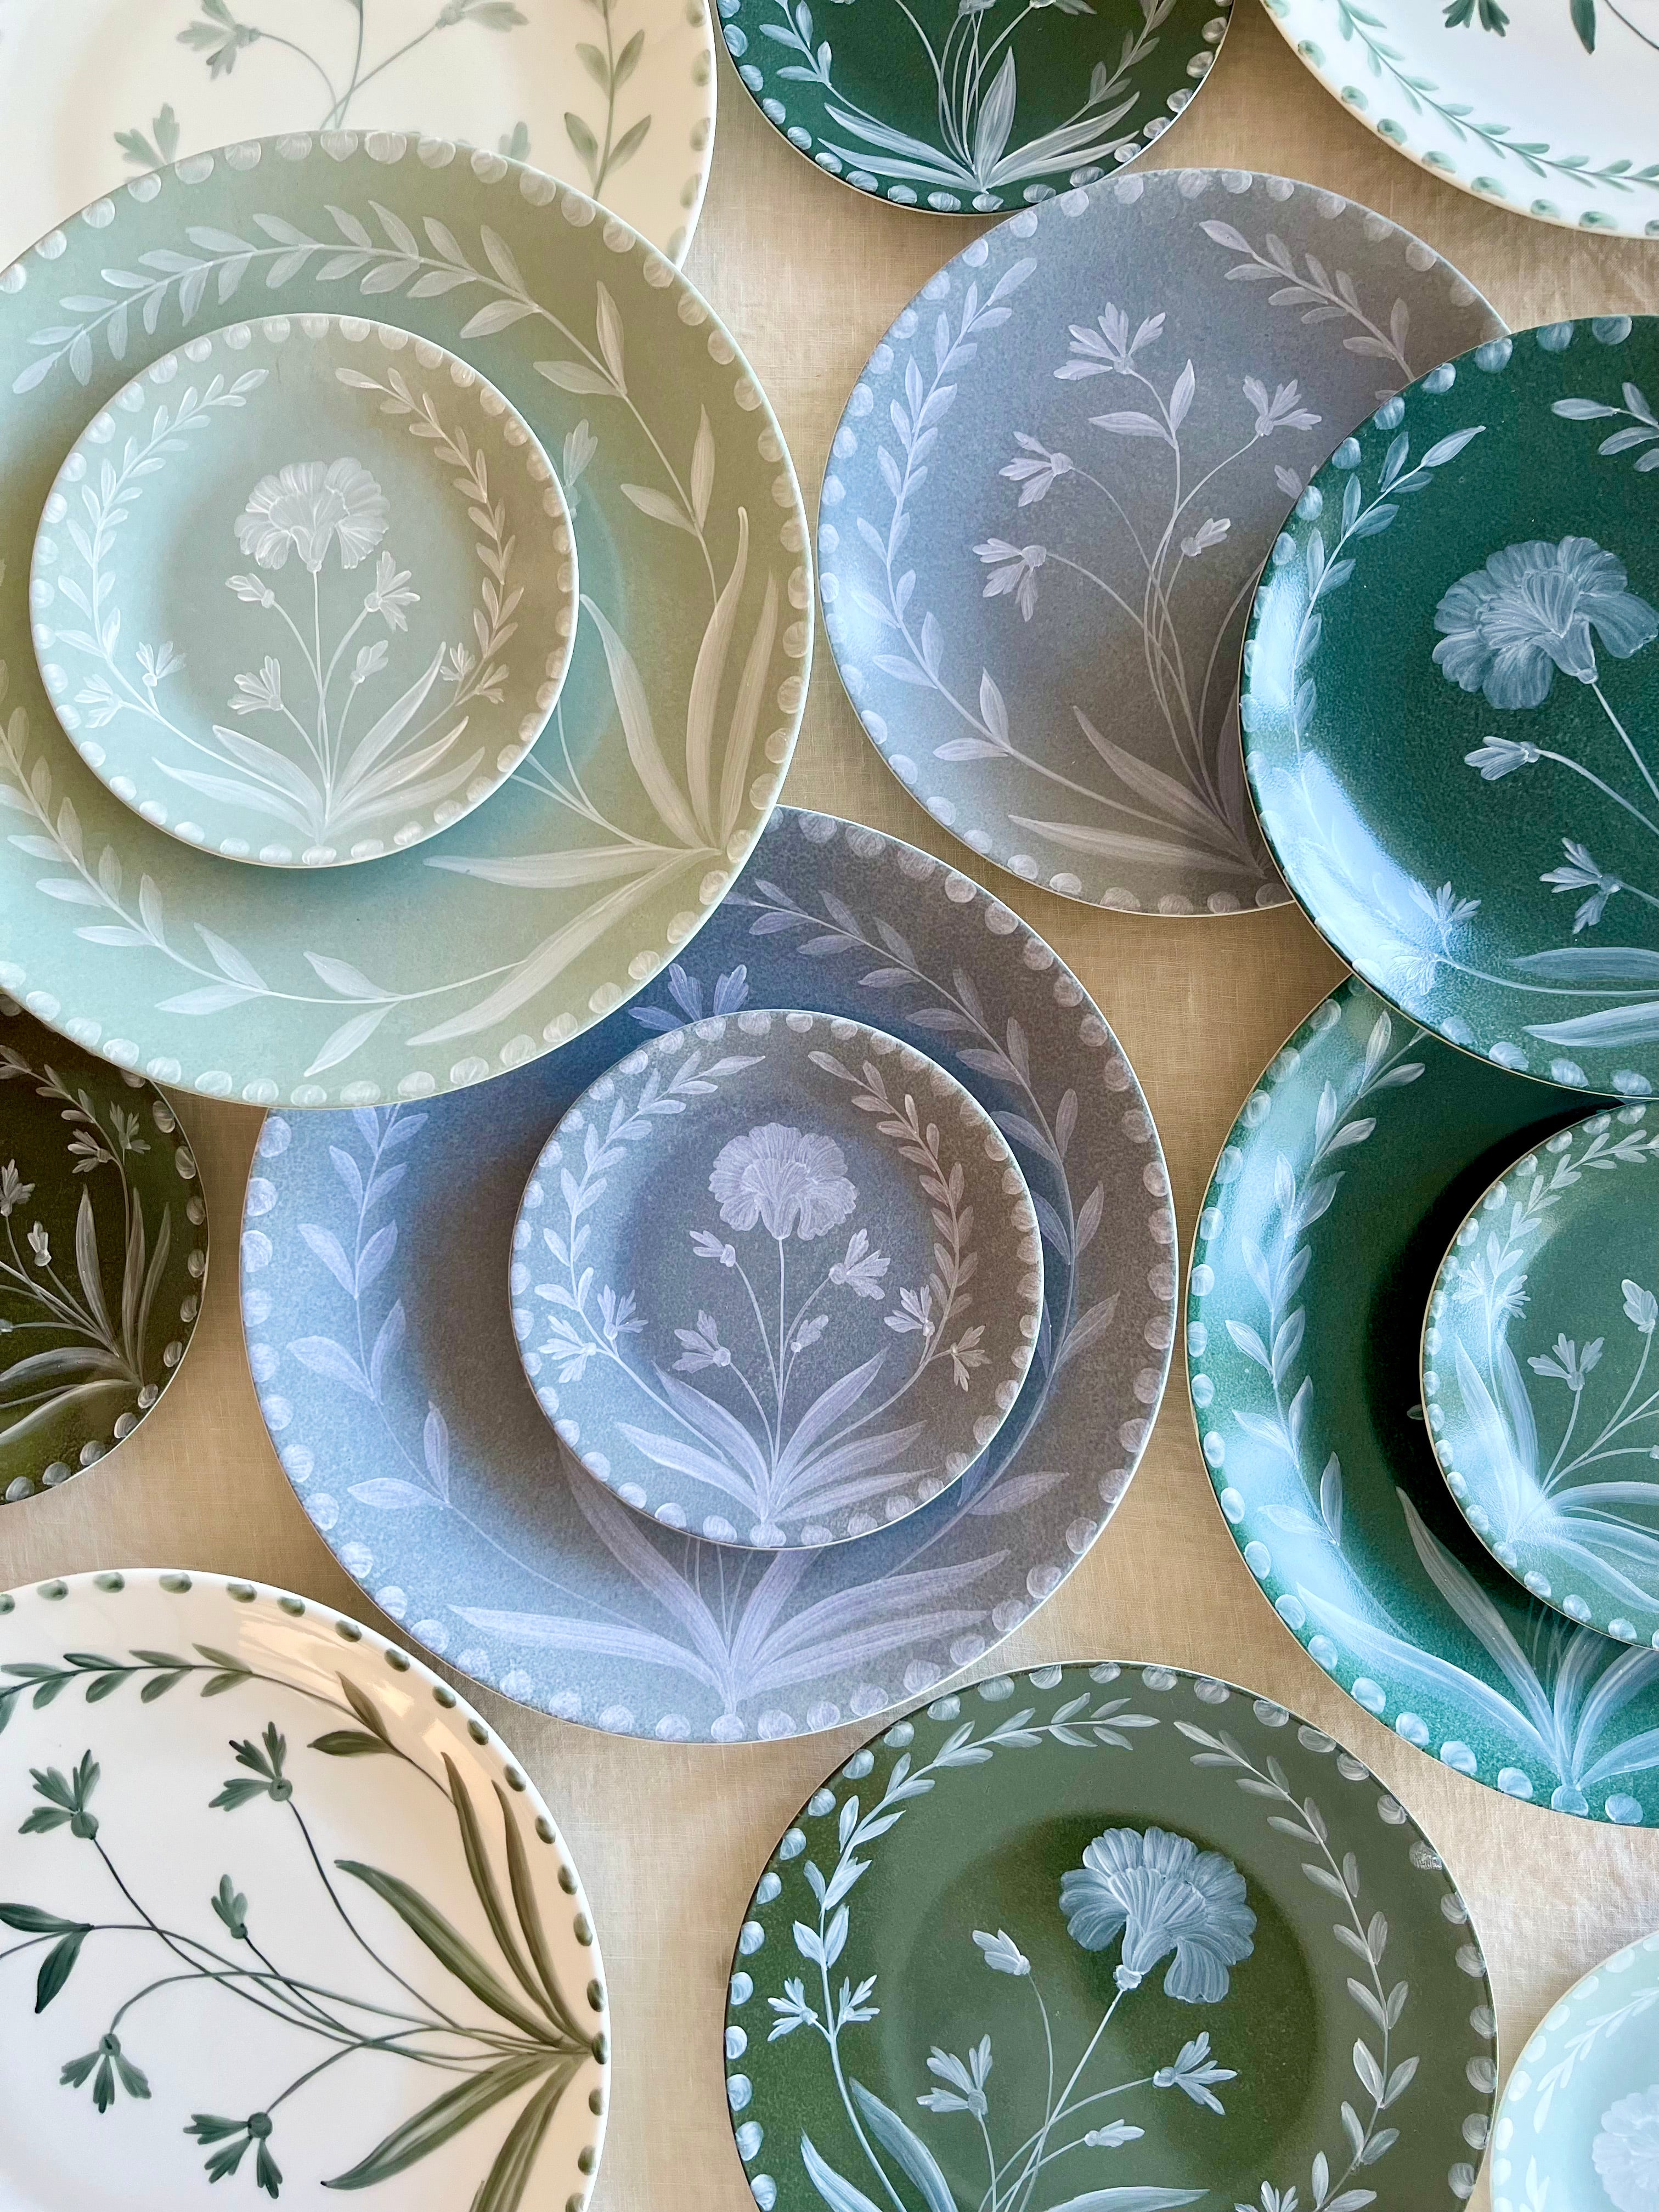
(339, 704)
(606, 849)
(1107, 1939)
(103, 1253)
(1451, 703)
(968, 106)
(1540, 1386)
(279, 1911)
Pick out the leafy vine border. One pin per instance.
(1078, 1720)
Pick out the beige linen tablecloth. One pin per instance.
(670, 1838)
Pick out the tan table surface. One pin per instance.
(670, 1838)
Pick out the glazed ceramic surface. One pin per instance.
(1054, 486)
(1548, 109)
(609, 845)
(616, 100)
(338, 705)
(103, 1253)
(1331, 1205)
(777, 1278)
(1107, 1939)
(966, 109)
(1537, 1384)
(1579, 2124)
(1479, 834)
(374, 1252)
(280, 1910)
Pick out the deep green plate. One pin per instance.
(103, 1253)
(609, 846)
(968, 106)
(1331, 1205)
(1096, 1939)
(1539, 1380)
(1451, 703)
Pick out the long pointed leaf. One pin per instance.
(904, 2144)
(436, 2123)
(634, 711)
(825, 1410)
(446, 1944)
(837, 2192)
(707, 678)
(746, 717)
(530, 1919)
(87, 1262)
(484, 1882)
(502, 2188)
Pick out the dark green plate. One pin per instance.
(103, 1253)
(968, 106)
(1104, 1939)
(1332, 1204)
(1540, 1384)
(1451, 703)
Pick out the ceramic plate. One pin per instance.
(1331, 1208)
(103, 1253)
(1107, 1939)
(1548, 109)
(844, 1377)
(253, 1854)
(1479, 834)
(375, 1248)
(1053, 488)
(610, 845)
(619, 102)
(164, 597)
(966, 109)
(1581, 2111)
(1536, 1386)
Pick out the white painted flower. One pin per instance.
(794, 1183)
(1626, 2152)
(306, 506)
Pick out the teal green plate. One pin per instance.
(103, 1253)
(1452, 696)
(1107, 1939)
(609, 848)
(1351, 1164)
(304, 593)
(966, 108)
(1578, 2128)
(1538, 1380)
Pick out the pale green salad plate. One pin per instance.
(617, 99)
(1550, 107)
(348, 702)
(1539, 1387)
(1107, 1939)
(609, 847)
(777, 1279)
(103, 1253)
(277, 1910)
(1578, 2128)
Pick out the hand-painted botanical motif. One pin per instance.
(348, 753)
(1054, 488)
(615, 97)
(969, 109)
(1579, 2124)
(1537, 1386)
(631, 816)
(374, 1251)
(844, 1376)
(1435, 885)
(103, 1253)
(1110, 2051)
(1552, 116)
(1338, 1191)
(273, 1935)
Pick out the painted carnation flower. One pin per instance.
(794, 1183)
(1534, 609)
(1161, 1894)
(309, 506)
(1626, 2152)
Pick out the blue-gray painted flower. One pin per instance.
(1161, 1894)
(1626, 2151)
(964, 2085)
(1534, 609)
(1196, 2073)
(794, 1184)
(1002, 1954)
